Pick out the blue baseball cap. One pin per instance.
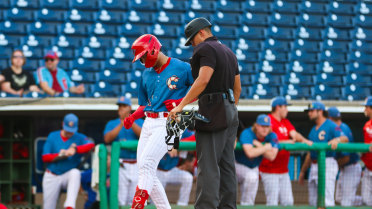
(368, 101)
(333, 112)
(263, 120)
(124, 100)
(277, 101)
(316, 106)
(70, 123)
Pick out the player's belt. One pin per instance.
(156, 114)
(314, 161)
(129, 161)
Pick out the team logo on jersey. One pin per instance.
(171, 82)
(71, 123)
(369, 130)
(321, 135)
(283, 130)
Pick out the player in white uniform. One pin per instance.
(62, 152)
(248, 160)
(114, 131)
(165, 79)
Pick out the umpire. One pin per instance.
(217, 85)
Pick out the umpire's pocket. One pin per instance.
(212, 107)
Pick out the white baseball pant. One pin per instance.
(248, 179)
(151, 149)
(347, 185)
(178, 176)
(277, 188)
(128, 179)
(52, 185)
(367, 187)
(331, 174)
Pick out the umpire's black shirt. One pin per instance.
(219, 57)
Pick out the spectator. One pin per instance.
(63, 151)
(54, 80)
(114, 131)
(248, 160)
(17, 81)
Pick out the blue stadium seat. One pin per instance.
(108, 16)
(29, 4)
(119, 53)
(257, 6)
(64, 52)
(33, 52)
(250, 45)
(34, 95)
(111, 76)
(286, 20)
(364, 7)
(5, 95)
(335, 45)
(206, 6)
(340, 21)
(10, 40)
(183, 54)
(229, 6)
(309, 33)
(77, 75)
(173, 5)
(324, 92)
(342, 8)
(247, 68)
(133, 30)
(246, 56)
(297, 91)
(227, 32)
(252, 32)
(77, 15)
(167, 43)
(303, 56)
(362, 34)
(313, 7)
(285, 33)
(4, 62)
(40, 28)
(18, 14)
(224, 18)
(135, 75)
(170, 18)
(338, 34)
(306, 45)
(103, 29)
(63, 63)
(277, 45)
(268, 79)
(246, 79)
(301, 67)
(286, 7)
(140, 17)
(359, 68)
(104, 89)
(360, 57)
(261, 91)
(73, 29)
(118, 65)
(31, 65)
(335, 68)
(311, 20)
(364, 21)
(4, 4)
(190, 15)
(272, 67)
(120, 5)
(63, 41)
(50, 15)
(98, 42)
(130, 89)
(124, 42)
(167, 31)
(84, 4)
(54, 4)
(32, 40)
(91, 53)
(255, 19)
(86, 65)
(333, 56)
(355, 92)
(299, 79)
(272, 55)
(330, 79)
(144, 5)
(358, 79)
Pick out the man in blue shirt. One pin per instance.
(114, 131)
(350, 169)
(324, 131)
(248, 160)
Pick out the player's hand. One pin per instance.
(71, 151)
(308, 142)
(128, 122)
(268, 146)
(301, 178)
(333, 143)
(173, 113)
(62, 152)
(172, 103)
(257, 143)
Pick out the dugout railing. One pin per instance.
(112, 201)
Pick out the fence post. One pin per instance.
(114, 175)
(102, 156)
(321, 178)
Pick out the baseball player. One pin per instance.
(128, 171)
(367, 157)
(62, 151)
(324, 131)
(248, 160)
(164, 83)
(274, 174)
(350, 169)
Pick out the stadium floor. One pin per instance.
(257, 207)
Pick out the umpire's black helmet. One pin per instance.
(193, 27)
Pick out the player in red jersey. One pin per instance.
(367, 157)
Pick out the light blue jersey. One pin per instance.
(43, 74)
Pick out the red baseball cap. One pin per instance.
(51, 55)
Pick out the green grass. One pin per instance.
(256, 207)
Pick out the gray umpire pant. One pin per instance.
(216, 181)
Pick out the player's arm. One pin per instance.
(139, 113)
(44, 85)
(237, 89)
(271, 153)
(136, 129)
(111, 135)
(334, 142)
(342, 161)
(252, 152)
(304, 168)
(297, 137)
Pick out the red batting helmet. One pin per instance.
(146, 44)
